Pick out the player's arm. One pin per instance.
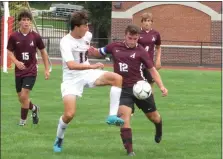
(154, 73)
(18, 64)
(71, 64)
(158, 52)
(97, 52)
(158, 57)
(45, 57)
(103, 51)
(10, 49)
(156, 76)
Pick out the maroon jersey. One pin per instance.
(148, 39)
(24, 48)
(128, 62)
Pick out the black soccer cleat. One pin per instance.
(158, 138)
(35, 115)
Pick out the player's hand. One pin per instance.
(98, 65)
(47, 74)
(158, 65)
(92, 51)
(164, 91)
(20, 65)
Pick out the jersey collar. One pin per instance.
(146, 30)
(128, 46)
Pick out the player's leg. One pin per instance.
(29, 83)
(23, 87)
(102, 78)
(157, 120)
(124, 111)
(70, 90)
(148, 106)
(69, 112)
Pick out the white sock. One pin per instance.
(115, 94)
(34, 108)
(61, 128)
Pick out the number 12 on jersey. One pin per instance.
(123, 67)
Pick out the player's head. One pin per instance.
(132, 35)
(79, 22)
(25, 19)
(147, 21)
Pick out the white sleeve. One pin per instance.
(88, 36)
(66, 52)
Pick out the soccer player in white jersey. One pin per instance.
(79, 73)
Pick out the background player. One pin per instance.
(22, 46)
(151, 41)
(79, 73)
(128, 58)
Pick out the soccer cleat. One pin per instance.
(114, 120)
(57, 147)
(158, 138)
(35, 115)
(131, 154)
(22, 122)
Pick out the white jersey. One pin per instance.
(74, 50)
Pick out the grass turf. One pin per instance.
(191, 121)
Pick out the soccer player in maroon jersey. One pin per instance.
(151, 41)
(22, 46)
(129, 57)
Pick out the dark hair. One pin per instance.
(25, 14)
(132, 29)
(146, 16)
(78, 18)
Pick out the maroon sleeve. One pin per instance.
(158, 40)
(39, 42)
(109, 48)
(11, 44)
(146, 60)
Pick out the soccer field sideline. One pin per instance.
(57, 61)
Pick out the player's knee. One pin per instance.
(126, 118)
(126, 123)
(68, 116)
(23, 97)
(117, 80)
(154, 117)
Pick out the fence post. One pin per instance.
(48, 45)
(201, 54)
(15, 21)
(42, 23)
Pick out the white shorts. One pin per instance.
(76, 86)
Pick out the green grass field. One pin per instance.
(191, 116)
(48, 23)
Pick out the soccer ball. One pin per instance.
(142, 90)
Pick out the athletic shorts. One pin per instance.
(77, 85)
(128, 99)
(24, 82)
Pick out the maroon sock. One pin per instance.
(24, 113)
(31, 105)
(126, 135)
